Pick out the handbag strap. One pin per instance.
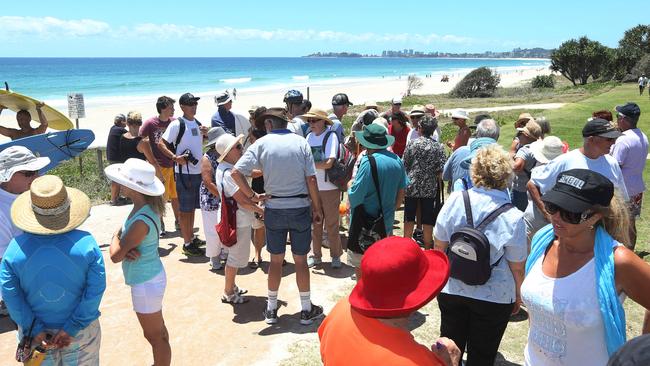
(153, 222)
(375, 178)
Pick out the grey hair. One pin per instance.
(488, 128)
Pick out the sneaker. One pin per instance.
(313, 261)
(270, 316)
(193, 251)
(308, 317)
(336, 262)
(198, 242)
(163, 232)
(216, 266)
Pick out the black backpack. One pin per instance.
(341, 171)
(181, 131)
(469, 248)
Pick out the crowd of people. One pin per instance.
(536, 225)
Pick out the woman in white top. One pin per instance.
(577, 271)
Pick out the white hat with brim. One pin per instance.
(138, 175)
(547, 149)
(225, 143)
(460, 113)
(19, 158)
(49, 207)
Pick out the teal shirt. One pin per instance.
(392, 178)
(148, 265)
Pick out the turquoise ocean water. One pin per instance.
(52, 79)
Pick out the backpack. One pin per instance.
(341, 171)
(227, 227)
(469, 248)
(181, 132)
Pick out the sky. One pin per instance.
(218, 28)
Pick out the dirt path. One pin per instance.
(203, 330)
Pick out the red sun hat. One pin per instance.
(397, 278)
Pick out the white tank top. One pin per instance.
(566, 327)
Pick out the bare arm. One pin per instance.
(144, 147)
(244, 188)
(9, 132)
(206, 174)
(440, 245)
(399, 198)
(42, 119)
(325, 164)
(312, 186)
(256, 173)
(536, 197)
(519, 164)
(245, 202)
(518, 273)
(162, 146)
(120, 247)
(633, 278)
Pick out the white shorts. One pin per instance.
(239, 253)
(213, 245)
(258, 224)
(147, 297)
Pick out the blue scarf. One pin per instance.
(610, 306)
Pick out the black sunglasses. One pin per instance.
(28, 173)
(569, 217)
(239, 147)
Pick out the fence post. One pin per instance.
(100, 160)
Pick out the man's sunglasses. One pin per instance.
(568, 217)
(28, 173)
(191, 104)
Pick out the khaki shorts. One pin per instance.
(170, 183)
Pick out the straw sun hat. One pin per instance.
(225, 143)
(49, 207)
(320, 114)
(137, 175)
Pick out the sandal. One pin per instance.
(253, 264)
(239, 291)
(235, 298)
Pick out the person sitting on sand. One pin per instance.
(24, 118)
(230, 150)
(371, 326)
(135, 244)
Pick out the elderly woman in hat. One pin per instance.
(135, 244)
(475, 315)
(524, 163)
(325, 147)
(230, 149)
(423, 159)
(371, 326)
(378, 188)
(53, 275)
(579, 272)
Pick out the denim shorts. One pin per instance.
(294, 221)
(187, 188)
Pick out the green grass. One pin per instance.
(567, 123)
(91, 181)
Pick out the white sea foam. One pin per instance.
(300, 77)
(236, 80)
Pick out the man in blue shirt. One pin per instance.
(53, 275)
(233, 123)
(391, 176)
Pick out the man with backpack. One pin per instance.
(182, 142)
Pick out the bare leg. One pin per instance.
(115, 192)
(175, 208)
(427, 231)
(302, 272)
(187, 226)
(259, 239)
(231, 273)
(156, 334)
(275, 271)
(408, 229)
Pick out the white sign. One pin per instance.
(76, 107)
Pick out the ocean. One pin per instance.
(51, 79)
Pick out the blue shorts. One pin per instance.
(187, 189)
(296, 222)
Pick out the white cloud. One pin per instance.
(50, 27)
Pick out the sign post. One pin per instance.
(76, 110)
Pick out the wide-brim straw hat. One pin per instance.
(137, 175)
(225, 143)
(398, 278)
(316, 113)
(548, 149)
(523, 118)
(49, 207)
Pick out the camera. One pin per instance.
(190, 157)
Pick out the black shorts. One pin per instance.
(427, 206)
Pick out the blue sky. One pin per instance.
(293, 28)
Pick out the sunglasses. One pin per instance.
(239, 147)
(313, 120)
(397, 104)
(568, 217)
(28, 173)
(192, 104)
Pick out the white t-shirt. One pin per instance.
(545, 176)
(316, 143)
(222, 176)
(8, 230)
(192, 139)
(295, 126)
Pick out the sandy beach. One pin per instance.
(100, 112)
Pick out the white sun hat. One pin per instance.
(137, 175)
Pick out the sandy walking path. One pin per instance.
(203, 331)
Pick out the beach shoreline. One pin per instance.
(100, 111)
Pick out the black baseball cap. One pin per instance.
(341, 99)
(635, 352)
(187, 99)
(600, 127)
(629, 109)
(577, 190)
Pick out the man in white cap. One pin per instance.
(233, 123)
(460, 117)
(395, 107)
(18, 169)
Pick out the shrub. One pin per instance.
(578, 60)
(543, 81)
(642, 67)
(479, 83)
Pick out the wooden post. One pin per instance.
(308, 93)
(81, 168)
(100, 161)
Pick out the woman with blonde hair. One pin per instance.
(577, 272)
(475, 311)
(135, 244)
